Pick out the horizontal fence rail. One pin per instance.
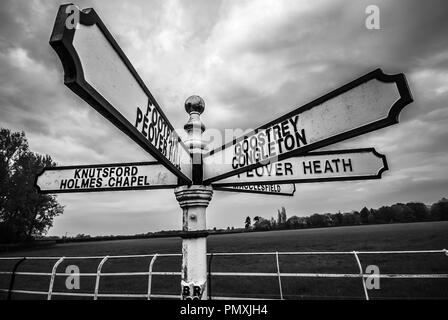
(150, 273)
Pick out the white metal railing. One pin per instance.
(150, 273)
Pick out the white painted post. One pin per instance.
(194, 201)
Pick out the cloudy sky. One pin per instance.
(251, 61)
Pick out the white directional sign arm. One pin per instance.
(105, 177)
(269, 189)
(96, 69)
(371, 102)
(316, 166)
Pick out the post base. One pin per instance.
(194, 201)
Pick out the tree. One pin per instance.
(371, 219)
(402, 213)
(338, 218)
(296, 222)
(439, 210)
(283, 216)
(384, 215)
(24, 213)
(247, 223)
(317, 220)
(328, 220)
(262, 224)
(356, 217)
(273, 223)
(364, 213)
(348, 219)
(420, 210)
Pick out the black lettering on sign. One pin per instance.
(140, 181)
(84, 184)
(328, 167)
(347, 164)
(307, 166)
(63, 184)
(139, 117)
(288, 168)
(316, 165)
(336, 162)
(157, 131)
(276, 169)
(192, 292)
(281, 138)
(197, 291)
(126, 182)
(259, 171)
(113, 177)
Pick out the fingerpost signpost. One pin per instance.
(268, 160)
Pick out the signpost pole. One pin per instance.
(194, 200)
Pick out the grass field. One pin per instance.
(414, 236)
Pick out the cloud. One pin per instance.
(251, 61)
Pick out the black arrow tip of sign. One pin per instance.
(403, 89)
(385, 164)
(383, 158)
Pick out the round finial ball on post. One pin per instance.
(194, 104)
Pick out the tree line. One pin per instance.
(397, 213)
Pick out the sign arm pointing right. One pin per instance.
(368, 103)
(315, 166)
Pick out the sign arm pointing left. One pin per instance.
(98, 71)
(105, 177)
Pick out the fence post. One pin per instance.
(209, 283)
(361, 272)
(150, 275)
(279, 278)
(13, 278)
(53, 275)
(98, 274)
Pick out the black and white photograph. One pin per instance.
(234, 152)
